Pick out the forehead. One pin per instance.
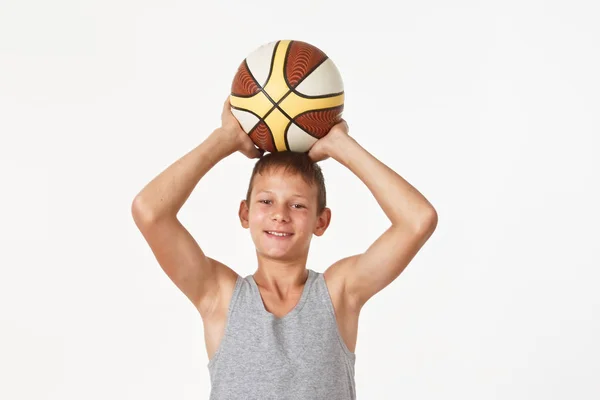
(284, 182)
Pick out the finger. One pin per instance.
(313, 156)
(226, 107)
(252, 152)
(343, 124)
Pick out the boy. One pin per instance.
(285, 332)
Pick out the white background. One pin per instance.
(490, 110)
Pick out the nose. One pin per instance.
(280, 214)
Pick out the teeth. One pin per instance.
(278, 234)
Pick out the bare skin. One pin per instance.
(284, 204)
(346, 317)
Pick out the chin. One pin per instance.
(275, 250)
(275, 253)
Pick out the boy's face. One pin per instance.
(282, 215)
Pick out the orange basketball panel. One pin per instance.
(319, 122)
(243, 82)
(301, 59)
(262, 136)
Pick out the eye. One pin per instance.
(265, 201)
(298, 205)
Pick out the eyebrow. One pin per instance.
(293, 195)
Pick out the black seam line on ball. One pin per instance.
(276, 105)
(285, 135)
(285, 61)
(283, 98)
(321, 96)
(309, 111)
(284, 113)
(304, 130)
(279, 102)
(287, 52)
(272, 62)
(280, 110)
(268, 130)
(252, 76)
(260, 88)
(251, 112)
(269, 112)
(307, 74)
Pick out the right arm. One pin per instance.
(156, 206)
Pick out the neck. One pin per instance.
(282, 277)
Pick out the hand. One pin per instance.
(235, 135)
(321, 150)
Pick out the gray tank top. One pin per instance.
(300, 356)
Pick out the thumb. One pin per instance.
(226, 108)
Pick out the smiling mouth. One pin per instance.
(279, 234)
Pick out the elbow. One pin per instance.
(427, 223)
(140, 213)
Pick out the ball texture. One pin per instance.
(286, 95)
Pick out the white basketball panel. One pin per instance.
(259, 62)
(247, 120)
(298, 139)
(324, 80)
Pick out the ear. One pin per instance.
(243, 214)
(323, 221)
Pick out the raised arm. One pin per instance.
(413, 219)
(155, 210)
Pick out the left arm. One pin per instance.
(413, 218)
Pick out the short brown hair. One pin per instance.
(294, 162)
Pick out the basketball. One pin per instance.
(286, 95)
